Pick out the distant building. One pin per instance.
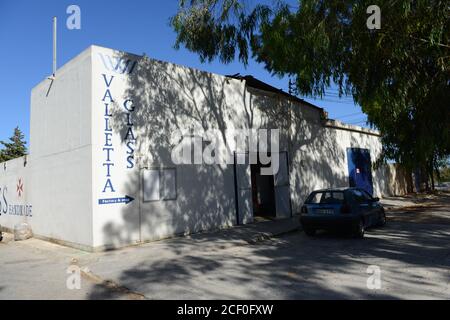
(101, 171)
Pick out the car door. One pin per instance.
(364, 206)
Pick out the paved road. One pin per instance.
(414, 261)
(35, 269)
(413, 256)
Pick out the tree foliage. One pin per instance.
(15, 148)
(444, 174)
(399, 74)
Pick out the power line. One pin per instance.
(337, 101)
(353, 119)
(334, 101)
(334, 91)
(337, 95)
(359, 119)
(350, 115)
(359, 122)
(338, 98)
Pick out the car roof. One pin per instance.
(336, 189)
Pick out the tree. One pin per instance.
(444, 174)
(399, 74)
(442, 170)
(15, 148)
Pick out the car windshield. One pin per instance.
(326, 197)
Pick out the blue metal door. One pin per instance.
(360, 169)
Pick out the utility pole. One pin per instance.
(54, 46)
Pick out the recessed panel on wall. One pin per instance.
(151, 185)
(159, 184)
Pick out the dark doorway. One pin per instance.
(263, 192)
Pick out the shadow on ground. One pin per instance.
(170, 98)
(328, 266)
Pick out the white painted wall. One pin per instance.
(317, 154)
(83, 155)
(165, 97)
(15, 205)
(58, 175)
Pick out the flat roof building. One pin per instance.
(126, 149)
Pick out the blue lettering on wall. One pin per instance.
(108, 143)
(130, 160)
(130, 146)
(126, 199)
(108, 84)
(108, 95)
(4, 206)
(108, 154)
(108, 185)
(130, 138)
(108, 139)
(118, 64)
(107, 114)
(13, 209)
(130, 135)
(107, 127)
(108, 166)
(128, 105)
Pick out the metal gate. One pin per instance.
(243, 188)
(282, 187)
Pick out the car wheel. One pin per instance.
(360, 229)
(310, 232)
(382, 219)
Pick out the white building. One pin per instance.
(100, 172)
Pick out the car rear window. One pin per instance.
(331, 197)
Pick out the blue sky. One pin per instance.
(135, 26)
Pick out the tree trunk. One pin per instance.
(431, 173)
(426, 176)
(410, 180)
(438, 173)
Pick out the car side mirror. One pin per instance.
(376, 199)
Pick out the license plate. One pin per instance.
(325, 211)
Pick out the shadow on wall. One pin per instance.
(166, 98)
(275, 270)
(396, 181)
(317, 161)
